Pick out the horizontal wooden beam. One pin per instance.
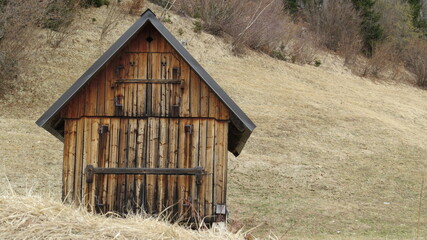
(91, 170)
(169, 81)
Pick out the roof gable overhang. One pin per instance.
(241, 126)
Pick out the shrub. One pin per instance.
(215, 14)
(58, 18)
(111, 20)
(259, 26)
(94, 3)
(135, 6)
(197, 26)
(416, 60)
(383, 60)
(162, 3)
(291, 6)
(396, 21)
(337, 24)
(180, 31)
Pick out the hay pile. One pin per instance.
(35, 217)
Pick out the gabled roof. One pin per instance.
(241, 126)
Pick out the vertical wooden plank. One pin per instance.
(184, 161)
(182, 149)
(71, 109)
(91, 97)
(86, 159)
(135, 109)
(119, 89)
(209, 167)
(223, 112)
(133, 74)
(79, 170)
(100, 85)
(204, 99)
(194, 162)
(93, 160)
(162, 65)
(154, 34)
(156, 87)
(103, 161)
(163, 156)
(129, 95)
(213, 105)
(142, 89)
(131, 163)
(149, 95)
(64, 112)
(65, 167)
(141, 163)
(152, 162)
(173, 163)
(195, 95)
(110, 78)
(113, 162)
(163, 91)
(81, 95)
(175, 88)
(168, 87)
(121, 179)
(142, 42)
(72, 157)
(220, 161)
(128, 73)
(203, 163)
(185, 91)
(225, 162)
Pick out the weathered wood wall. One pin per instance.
(160, 95)
(142, 78)
(146, 143)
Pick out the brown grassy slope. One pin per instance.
(333, 155)
(30, 217)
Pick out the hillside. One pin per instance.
(334, 155)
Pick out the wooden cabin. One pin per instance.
(146, 129)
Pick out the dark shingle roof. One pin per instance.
(241, 126)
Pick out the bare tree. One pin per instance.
(112, 19)
(58, 20)
(424, 9)
(338, 25)
(416, 60)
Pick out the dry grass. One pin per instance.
(335, 156)
(35, 217)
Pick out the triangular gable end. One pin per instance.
(241, 126)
